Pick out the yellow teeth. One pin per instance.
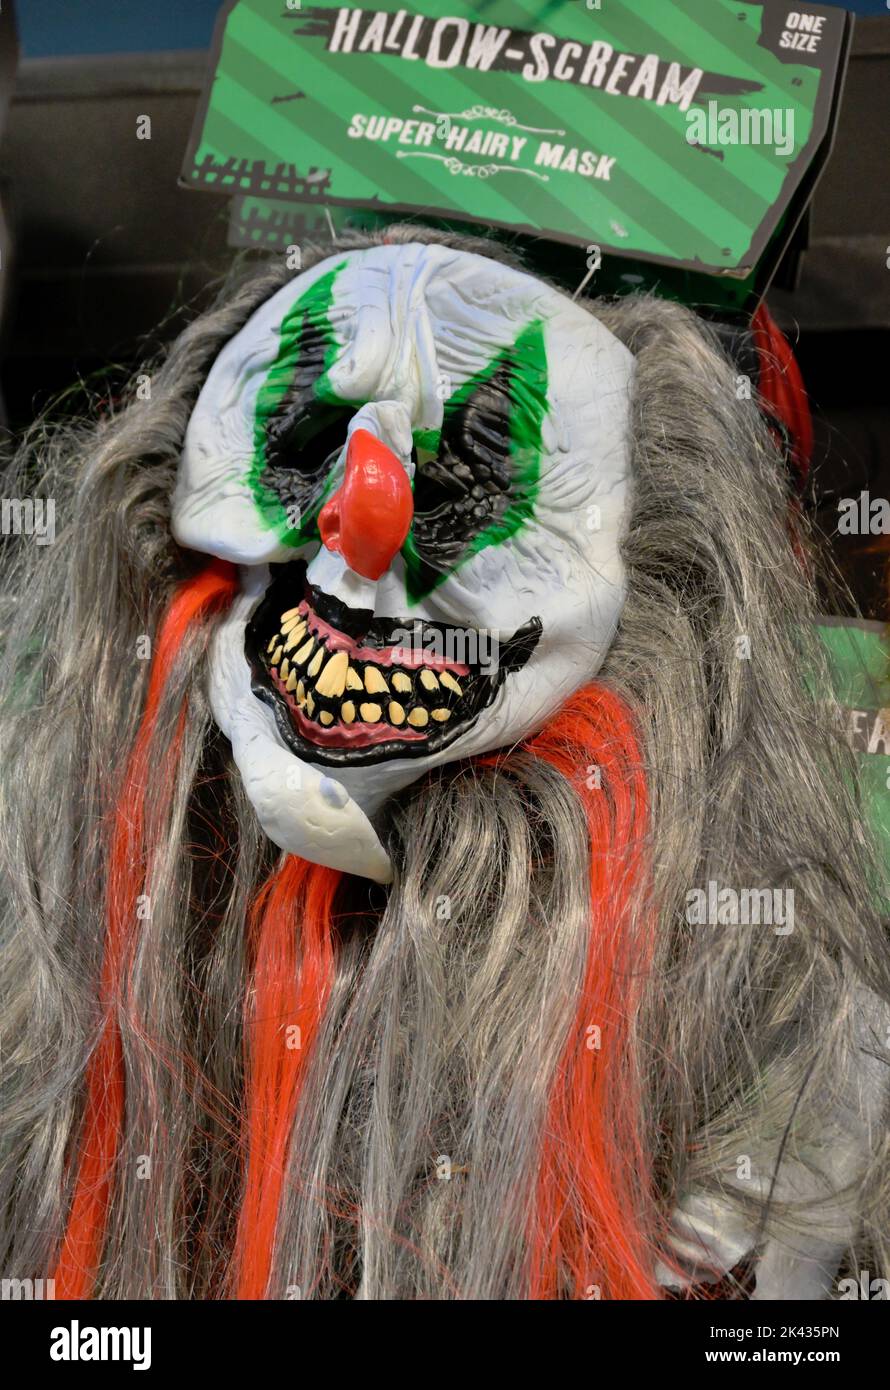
(295, 635)
(329, 676)
(332, 680)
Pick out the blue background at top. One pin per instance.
(61, 28)
(55, 28)
(878, 7)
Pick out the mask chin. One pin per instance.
(300, 807)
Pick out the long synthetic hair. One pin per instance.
(522, 1070)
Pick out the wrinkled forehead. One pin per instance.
(412, 322)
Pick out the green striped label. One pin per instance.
(674, 131)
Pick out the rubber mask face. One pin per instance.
(419, 458)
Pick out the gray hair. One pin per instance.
(442, 1037)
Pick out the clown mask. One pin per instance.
(419, 459)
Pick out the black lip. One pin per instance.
(289, 585)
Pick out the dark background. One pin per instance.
(104, 257)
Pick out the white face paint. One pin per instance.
(340, 678)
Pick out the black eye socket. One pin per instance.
(307, 426)
(305, 439)
(468, 485)
(472, 461)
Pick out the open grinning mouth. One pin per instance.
(351, 688)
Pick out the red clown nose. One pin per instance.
(367, 519)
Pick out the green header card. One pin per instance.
(676, 132)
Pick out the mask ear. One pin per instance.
(478, 483)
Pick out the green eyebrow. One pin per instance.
(313, 307)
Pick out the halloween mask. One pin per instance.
(419, 458)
